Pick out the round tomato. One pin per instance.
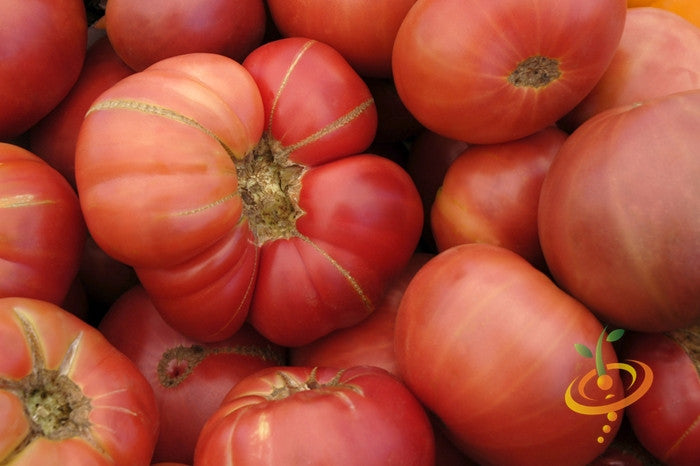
(362, 31)
(189, 379)
(618, 214)
(67, 396)
(54, 137)
(490, 195)
(295, 415)
(488, 72)
(42, 232)
(232, 187)
(489, 344)
(143, 33)
(659, 54)
(42, 45)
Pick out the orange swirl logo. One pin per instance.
(578, 398)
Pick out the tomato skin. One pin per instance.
(688, 9)
(619, 226)
(665, 419)
(645, 65)
(366, 406)
(41, 66)
(188, 389)
(54, 137)
(146, 32)
(122, 421)
(490, 195)
(452, 61)
(362, 31)
(500, 336)
(42, 231)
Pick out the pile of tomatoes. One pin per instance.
(409, 232)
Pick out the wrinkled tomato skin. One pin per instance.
(500, 336)
(618, 216)
(42, 44)
(42, 233)
(134, 326)
(366, 417)
(122, 420)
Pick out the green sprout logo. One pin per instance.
(578, 395)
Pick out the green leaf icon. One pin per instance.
(615, 335)
(583, 350)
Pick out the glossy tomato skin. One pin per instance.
(489, 72)
(293, 415)
(500, 337)
(41, 64)
(490, 194)
(189, 379)
(54, 137)
(42, 228)
(645, 65)
(362, 31)
(618, 216)
(146, 32)
(110, 416)
(665, 419)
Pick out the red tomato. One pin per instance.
(42, 232)
(189, 379)
(362, 31)
(618, 214)
(658, 54)
(490, 195)
(488, 343)
(665, 419)
(256, 201)
(42, 45)
(489, 72)
(143, 33)
(66, 395)
(295, 415)
(54, 137)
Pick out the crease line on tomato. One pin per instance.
(285, 80)
(22, 200)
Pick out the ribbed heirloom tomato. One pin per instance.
(234, 187)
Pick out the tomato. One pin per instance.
(645, 65)
(362, 31)
(42, 232)
(488, 343)
(293, 415)
(665, 419)
(42, 45)
(618, 216)
(143, 33)
(490, 195)
(262, 206)
(688, 9)
(66, 395)
(54, 137)
(189, 379)
(490, 72)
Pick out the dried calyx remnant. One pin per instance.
(292, 385)
(536, 71)
(269, 185)
(689, 339)
(54, 405)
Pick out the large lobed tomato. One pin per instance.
(67, 396)
(488, 72)
(319, 416)
(189, 379)
(42, 232)
(232, 187)
(42, 48)
(488, 343)
(618, 214)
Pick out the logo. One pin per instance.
(593, 393)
